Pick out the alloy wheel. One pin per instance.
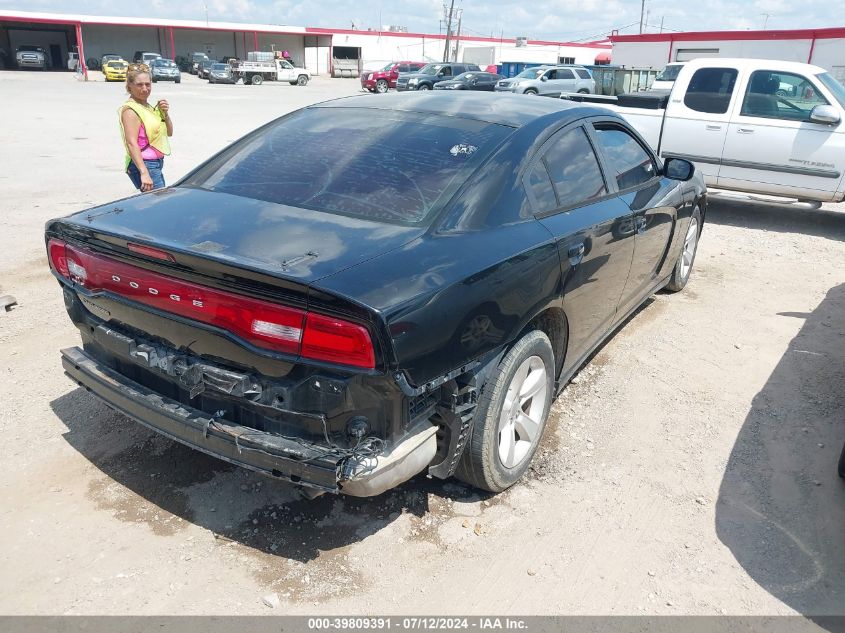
(522, 412)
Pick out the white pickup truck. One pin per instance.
(752, 125)
(275, 70)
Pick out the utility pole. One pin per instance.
(766, 21)
(458, 38)
(661, 23)
(449, 31)
(647, 15)
(642, 13)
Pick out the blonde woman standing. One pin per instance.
(146, 130)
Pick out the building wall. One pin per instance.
(378, 50)
(827, 53)
(121, 40)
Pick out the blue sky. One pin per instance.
(540, 19)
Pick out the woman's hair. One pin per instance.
(133, 71)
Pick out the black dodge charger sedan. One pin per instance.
(377, 286)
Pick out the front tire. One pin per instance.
(683, 267)
(381, 86)
(301, 80)
(424, 87)
(531, 91)
(583, 91)
(511, 415)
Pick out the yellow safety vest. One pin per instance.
(155, 128)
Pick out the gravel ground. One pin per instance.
(689, 468)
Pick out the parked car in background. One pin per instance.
(195, 59)
(430, 74)
(33, 57)
(107, 57)
(221, 74)
(392, 289)
(165, 70)
(549, 79)
(470, 81)
(204, 67)
(666, 77)
(144, 57)
(381, 80)
(115, 70)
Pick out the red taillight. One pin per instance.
(58, 260)
(337, 341)
(265, 324)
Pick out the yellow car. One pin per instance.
(115, 70)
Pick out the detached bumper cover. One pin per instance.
(299, 462)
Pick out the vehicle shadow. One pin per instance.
(162, 482)
(775, 216)
(781, 505)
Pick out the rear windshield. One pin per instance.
(670, 73)
(397, 167)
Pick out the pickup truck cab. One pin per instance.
(381, 81)
(758, 126)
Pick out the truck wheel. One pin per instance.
(256, 80)
(511, 416)
(683, 267)
(424, 87)
(301, 80)
(381, 86)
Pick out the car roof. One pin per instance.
(502, 108)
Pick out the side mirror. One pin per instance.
(544, 78)
(825, 114)
(678, 169)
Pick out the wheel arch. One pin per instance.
(553, 323)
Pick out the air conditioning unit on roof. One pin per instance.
(522, 41)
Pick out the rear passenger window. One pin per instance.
(710, 90)
(540, 189)
(565, 73)
(631, 163)
(583, 74)
(574, 169)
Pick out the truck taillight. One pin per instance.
(261, 323)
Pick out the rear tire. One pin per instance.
(256, 80)
(382, 86)
(511, 415)
(683, 267)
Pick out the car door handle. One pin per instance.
(745, 130)
(713, 128)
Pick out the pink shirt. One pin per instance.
(149, 152)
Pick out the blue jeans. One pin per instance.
(154, 167)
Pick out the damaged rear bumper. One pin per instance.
(300, 462)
